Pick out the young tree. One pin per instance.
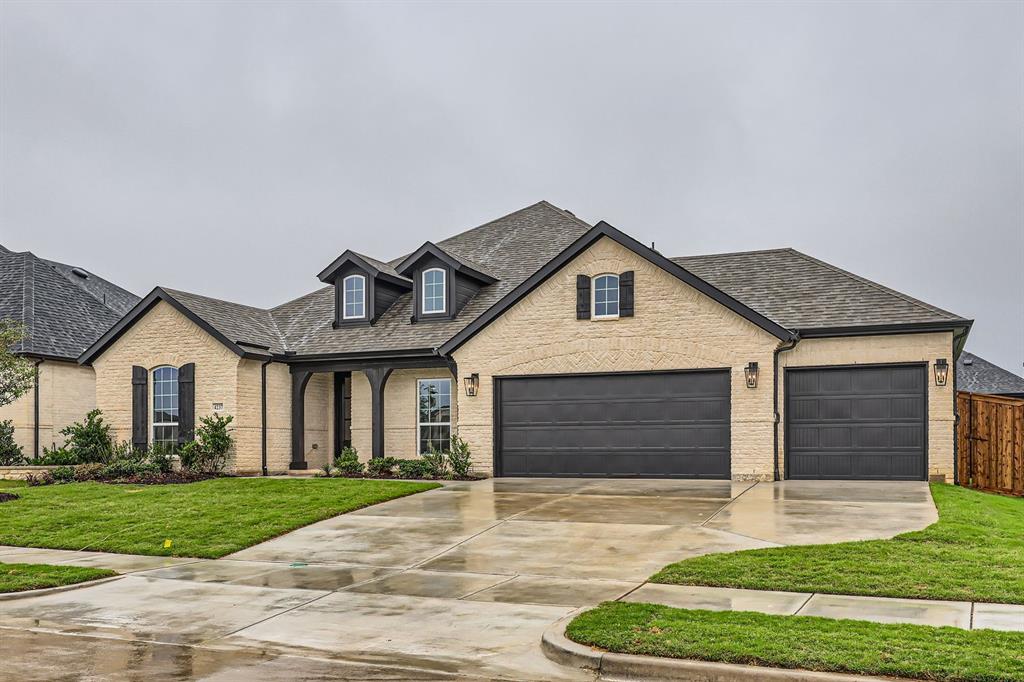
(16, 372)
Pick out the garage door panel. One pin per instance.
(650, 425)
(876, 430)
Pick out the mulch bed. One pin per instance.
(172, 477)
(7, 497)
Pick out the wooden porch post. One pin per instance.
(299, 381)
(378, 377)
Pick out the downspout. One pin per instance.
(956, 412)
(263, 414)
(35, 410)
(788, 345)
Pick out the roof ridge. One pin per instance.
(881, 287)
(737, 253)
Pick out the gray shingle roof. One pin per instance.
(788, 287)
(63, 313)
(978, 375)
(801, 292)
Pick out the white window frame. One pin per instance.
(344, 298)
(618, 297)
(420, 424)
(444, 292)
(152, 404)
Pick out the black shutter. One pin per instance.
(186, 402)
(582, 297)
(626, 294)
(140, 407)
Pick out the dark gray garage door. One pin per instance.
(856, 423)
(630, 425)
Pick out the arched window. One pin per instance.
(354, 287)
(165, 406)
(433, 291)
(606, 296)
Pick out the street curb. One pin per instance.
(560, 649)
(25, 594)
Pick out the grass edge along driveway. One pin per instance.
(208, 519)
(805, 642)
(21, 577)
(975, 552)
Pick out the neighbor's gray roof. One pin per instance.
(63, 313)
(978, 375)
(786, 286)
(801, 292)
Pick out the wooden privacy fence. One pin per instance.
(990, 443)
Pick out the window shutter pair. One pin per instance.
(140, 405)
(625, 295)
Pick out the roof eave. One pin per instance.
(889, 328)
(406, 266)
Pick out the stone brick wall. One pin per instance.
(888, 349)
(67, 391)
(400, 405)
(674, 327)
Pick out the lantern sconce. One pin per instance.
(750, 373)
(941, 372)
(472, 384)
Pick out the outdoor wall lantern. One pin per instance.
(472, 384)
(750, 372)
(941, 371)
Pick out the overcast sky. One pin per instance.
(235, 149)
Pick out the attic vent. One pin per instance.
(968, 361)
(79, 272)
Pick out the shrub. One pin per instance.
(61, 456)
(62, 475)
(413, 468)
(381, 466)
(208, 453)
(159, 456)
(42, 478)
(125, 468)
(89, 441)
(347, 462)
(459, 457)
(325, 471)
(435, 463)
(88, 472)
(10, 451)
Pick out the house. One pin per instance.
(63, 310)
(977, 375)
(555, 348)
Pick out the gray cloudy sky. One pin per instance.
(234, 149)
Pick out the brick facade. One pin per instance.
(67, 391)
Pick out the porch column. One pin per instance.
(299, 380)
(378, 377)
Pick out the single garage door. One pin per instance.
(856, 422)
(644, 425)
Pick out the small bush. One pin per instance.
(208, 453)
(62, 475)
(436, 463)
(413, 468)
(89, 441)
(62, 456)
(381, 466)
(125, 468)
(460, 459)
(42, 478)
(10, 452)
(159, 456)
(347, 462)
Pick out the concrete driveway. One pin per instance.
(459, 581)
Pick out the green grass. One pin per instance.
(208, 519)
(975, 552)
(11, 484)
(851, 646)
(21, 577)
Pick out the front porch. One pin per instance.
(367, 411)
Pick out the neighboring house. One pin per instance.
(555, 348)
(63, 309)
(977, 375)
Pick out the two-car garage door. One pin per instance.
(644, 425)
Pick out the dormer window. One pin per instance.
(434, 293)
(354, 288)
(606, 297)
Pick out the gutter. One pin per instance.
(35, 410)
(781, 348)
(263, 414)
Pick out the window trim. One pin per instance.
(593, 297)
(444, 292)
(420, 424)
(153, 423)
(344, 302)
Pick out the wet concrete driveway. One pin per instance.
(459, 581)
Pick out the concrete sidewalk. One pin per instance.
(958, 614)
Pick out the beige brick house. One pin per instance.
(63, 310)
(555, 348)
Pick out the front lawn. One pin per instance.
(975, 552)
(850, 646)
(208, 519)
(21, 577)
